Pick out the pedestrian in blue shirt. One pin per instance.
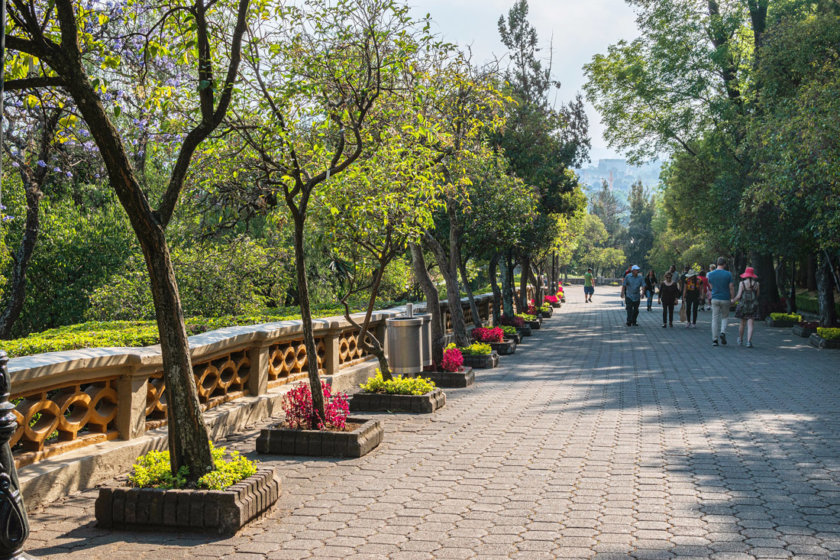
(631, 292)
(723, 290)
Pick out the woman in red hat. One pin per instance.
(747, 309)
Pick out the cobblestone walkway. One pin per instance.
(594, 441)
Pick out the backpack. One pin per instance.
(748, 301)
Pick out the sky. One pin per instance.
(577, 29)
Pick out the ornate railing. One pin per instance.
(67, 400)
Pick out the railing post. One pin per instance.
(331, 353)
(258, 369)
(14, 524)
(131, 406)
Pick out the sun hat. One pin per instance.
(749, 273)
(691, 273)
(635, 267)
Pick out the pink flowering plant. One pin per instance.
(300, 414)
(453, 360)
(488, 335)
(550, 299)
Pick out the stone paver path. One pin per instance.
(594, 440)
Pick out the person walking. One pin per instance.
(669, 293)
(588, 286)
(723, 290)
(692, 287)
(705, 292)
(650, 287)
(747, 309)
(631, 292)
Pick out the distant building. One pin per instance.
(619, 175)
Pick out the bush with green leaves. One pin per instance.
(152, 470)
(786, 317)
(477, 349)
(240, 277)
(399, 385)
(509, 329)
(525, 317)
(95, 334)
(829, 333)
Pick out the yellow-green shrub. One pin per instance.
(828, 333)
(152, 471)
(399, 385)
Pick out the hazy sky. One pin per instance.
(578, 29)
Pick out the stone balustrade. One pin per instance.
(71, 399)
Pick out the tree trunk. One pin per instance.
(449, 269)
(188, 441)
(497, 294)
(525, 271)
(536, 280)
(792, 298)
(473, 307)
(421, 275)
(768, 296)
(306, 318)
(17, 288)
(507, 285)
(825, 293)
(811, 283)
(367, 340)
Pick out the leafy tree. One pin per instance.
(313, 108)
(611, 210)
(640, 230)
(68, 41)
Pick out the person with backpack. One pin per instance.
(747, 309)
(691, 296)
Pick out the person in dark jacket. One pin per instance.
(669, 293)
(650, 287)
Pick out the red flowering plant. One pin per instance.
(532, 310)
(488, 335)
(514, 321)
(300, 415)
(550, 299)
(452, 359)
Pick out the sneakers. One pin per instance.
(664, 325)
(688, 325)
(714, 342)
(672, 325)
(739, 341)
(749, 344)
(723, 338)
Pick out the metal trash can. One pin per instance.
(405, 354)
(426, 338)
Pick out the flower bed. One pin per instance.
(360, 437)
(505, 347)
(464, 377)
(488, 335)
(825, 338)
(805, 329)
(401, 394)
(304, 433)
(553, 301)
(783, 320)
(480, 356)
(511, 333)
(225, 500)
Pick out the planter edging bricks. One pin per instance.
(215, 511)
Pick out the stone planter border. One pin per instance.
(819, 342)
(524, 331)
(535, 325)
(278, 440)
(216, 511)
(451, 379)
(383, 402)
(780, 323)
(504, 348)
(487, 361)
(556, 305)
(799, 330)
(545, 315)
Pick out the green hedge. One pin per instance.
(808, 303)
(829, 333)
(95, 334)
